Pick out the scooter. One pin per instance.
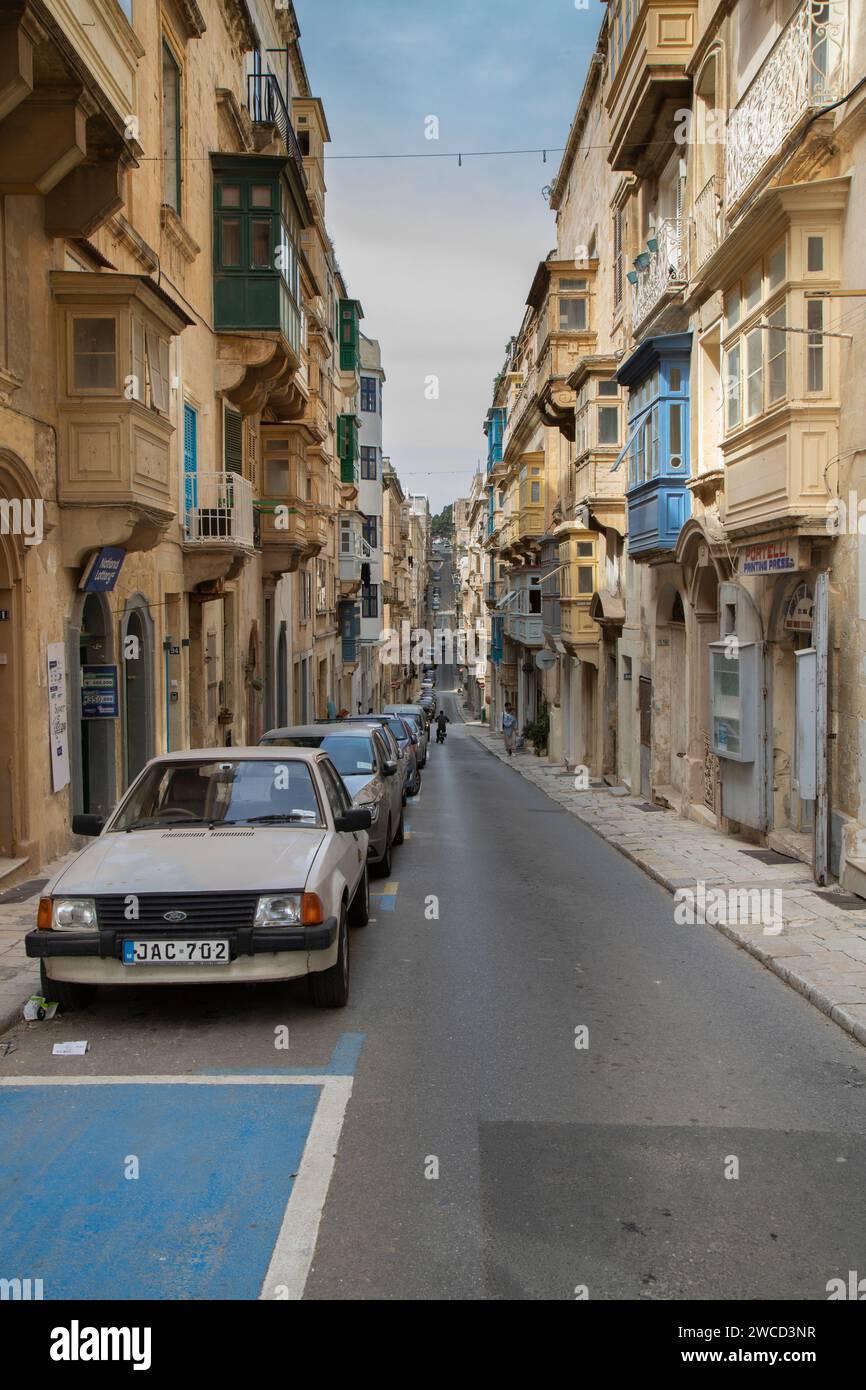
(440, 735)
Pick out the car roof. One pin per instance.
(227, 755)
(307, 731)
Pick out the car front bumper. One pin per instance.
(257, 953)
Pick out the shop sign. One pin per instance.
(772, 557)
(799, 610)
(57, 718)
(99, 697)
(102, 569)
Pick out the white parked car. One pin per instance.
(230, 864)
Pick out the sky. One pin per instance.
(442, 257)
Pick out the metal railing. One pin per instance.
(804, 70)
(267, 104)
(667, 268)
(708, 221)
(221, 512)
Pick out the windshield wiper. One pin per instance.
(274, 819)
(154, 822)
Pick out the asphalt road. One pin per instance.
(482, 1154)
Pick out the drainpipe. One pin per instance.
(166, 647)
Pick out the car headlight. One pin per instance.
(366, 804)
(73, 914)
(279, 910)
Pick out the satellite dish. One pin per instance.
(544, 660)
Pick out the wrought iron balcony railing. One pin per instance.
(667, 268)
(267, 103)
(219, 511)
(804, 71)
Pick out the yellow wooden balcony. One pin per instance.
(578, 581)
(283, 509)
(649, 44)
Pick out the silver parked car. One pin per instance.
(371, 769)
(416, 713)
(218, 865)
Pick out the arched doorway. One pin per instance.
(18, 684)
(9, 678)
(138, 687)
(254, 684)
(94, 758)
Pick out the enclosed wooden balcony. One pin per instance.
(283, 510)
(116, 468)
(68, 86)
(650, 43)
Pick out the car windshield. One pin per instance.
(233, 791)
(351, 754)
(398, 729)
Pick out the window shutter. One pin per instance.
(138, 365)
(157, 361)
(233, 441)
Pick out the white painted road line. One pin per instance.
(296, 1244)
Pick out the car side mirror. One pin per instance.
(359, 818)
(87, 825)
(389, 768)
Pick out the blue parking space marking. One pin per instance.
(233, 1174)
(386, 901)
(216, 1168)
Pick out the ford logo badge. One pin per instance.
(174, 917)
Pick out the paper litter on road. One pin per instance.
(70, 1049)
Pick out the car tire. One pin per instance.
(401, 833)
(64, 993)
(417, 783)
(359, 912)
(329, 989)
(383, 867)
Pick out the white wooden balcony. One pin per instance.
(804, 71)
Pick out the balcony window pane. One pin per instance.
(608, 388)
(94, 354)
(676, 378)
(535, 492)
(815, 253)
(732, 307)
(815, 366)
(584, 549)
(777, 357)
(584, 579)
(732, 386)
(776, 267)
(753, 288)
(230, 241)
(754, 374)
(261, 195)
(675, 424)
(572, 286)
(261, 243)
(230, 195)
(608, 424)
(572, 315)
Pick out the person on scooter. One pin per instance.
(441, 720)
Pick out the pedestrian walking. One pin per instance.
(509, 729)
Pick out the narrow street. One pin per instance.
(506, 926)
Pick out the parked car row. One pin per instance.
(235, 864)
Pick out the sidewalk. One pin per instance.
(19, 977)
(821, 947)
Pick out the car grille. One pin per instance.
(219, 911)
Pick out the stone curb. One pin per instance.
(837, 1011)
